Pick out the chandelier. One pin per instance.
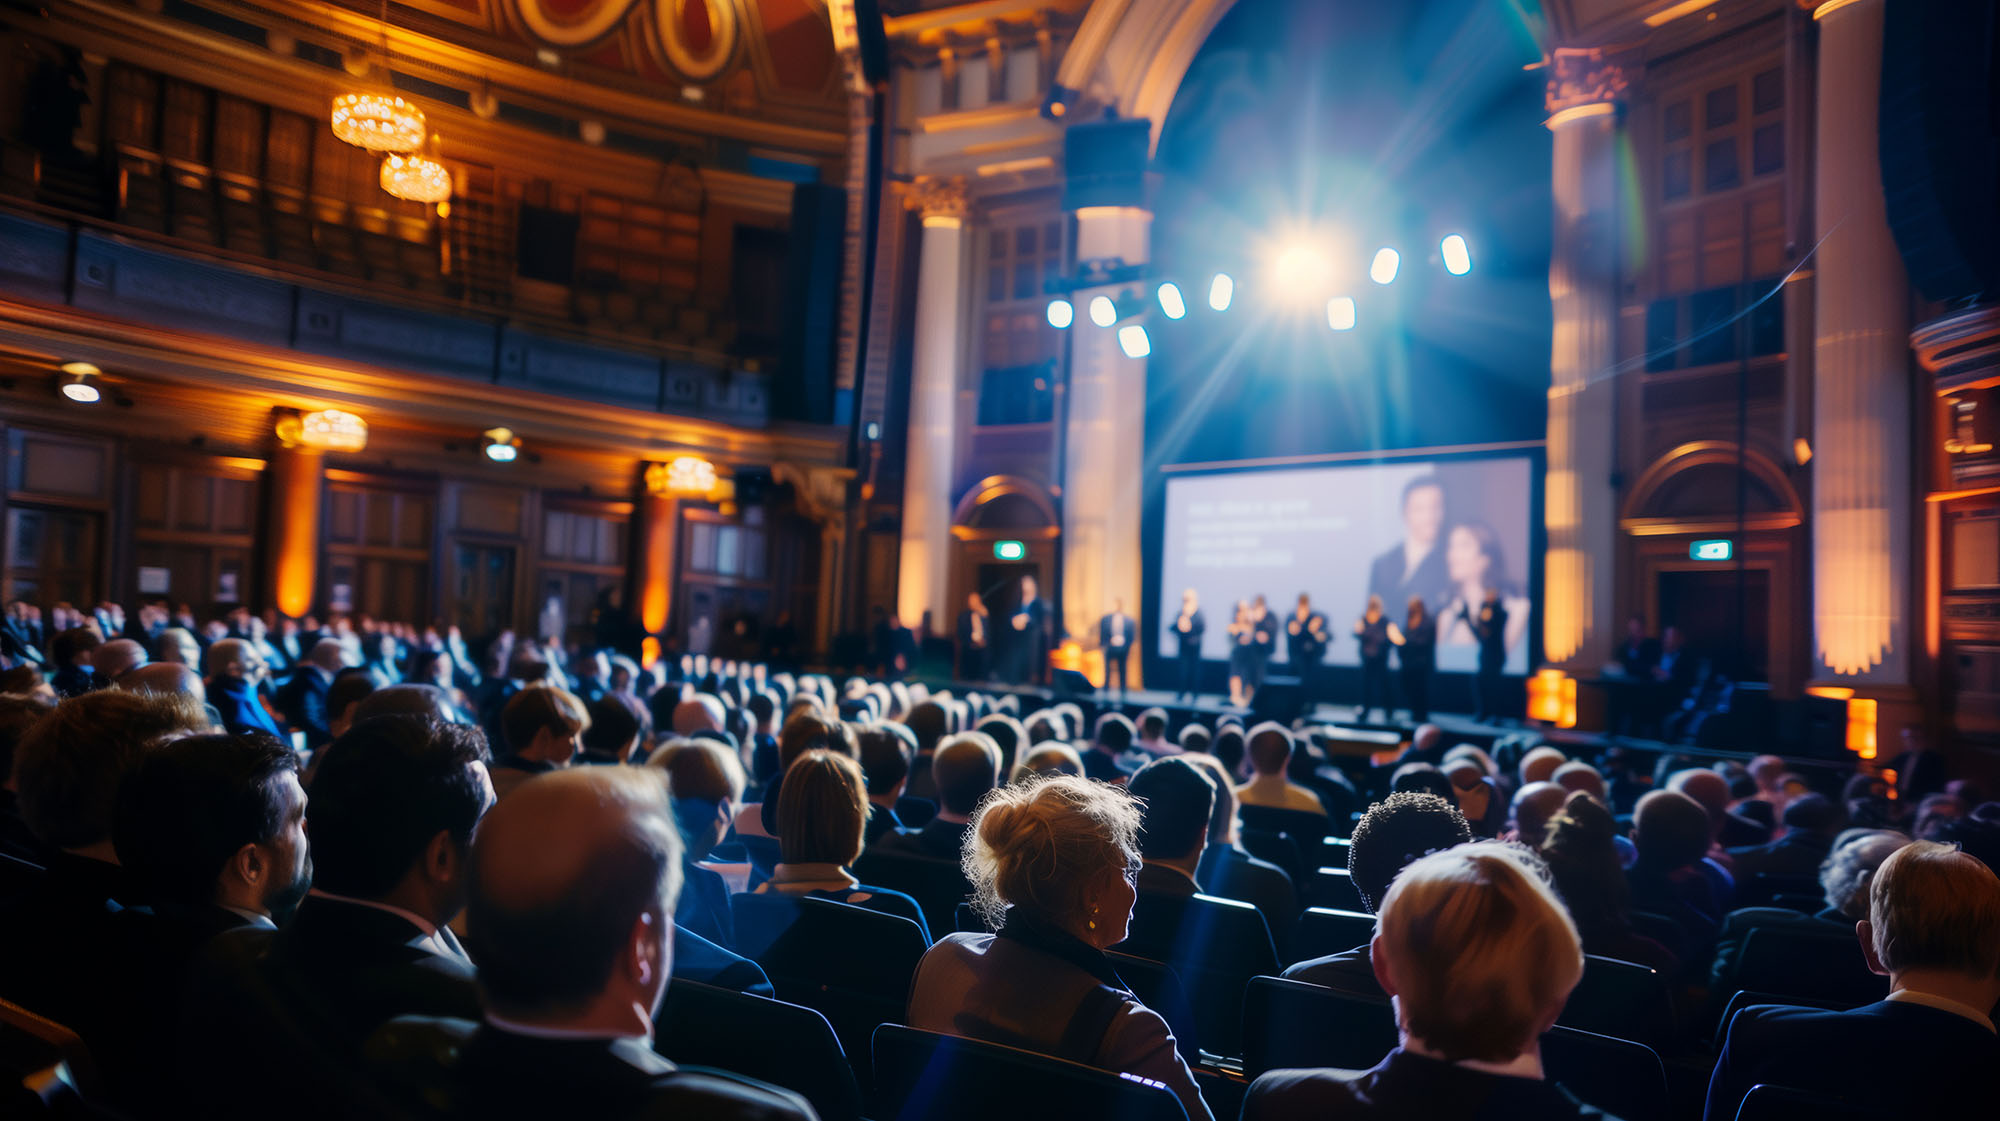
(379, 122)
(417, 177)
(325, 430)
(684, 475)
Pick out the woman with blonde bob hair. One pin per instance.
(1053, 860)
(1479, 957)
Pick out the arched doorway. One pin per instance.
(997, 514)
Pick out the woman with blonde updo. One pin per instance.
(1052, 860)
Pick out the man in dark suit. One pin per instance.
(394, 803)
(965, 768)
(1114, 638)
(1030, 623)
(1186, 628)
(1811, 823)
(21, 632)
(1489, 626)
(1112, 738)
(975, 638)
(574, 882)
(1415, 566)
(71, 652)
(1228, 870)
(1306, 637)
(1178, 802)
(234, 669)
(1638, 654)
(1933, 929)
(886, 755)
(302, 701)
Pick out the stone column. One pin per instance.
(658, 519)
(1103, 483)
(297, 477)
(924, 570)
(1581, 512)
(1861, 395)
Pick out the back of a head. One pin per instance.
(1047, 845)
(193, 803)
(885, 758)
(810, 731)
(119, 656)
(1229, 748)
(1933, 907)
(1177, 799)
(1007, 734)
(699, 713)
(427, 701)
(613, 726)
(1670, 829)
(702, 770)
(70, 763)
(1578, 845)
(1538, 765)
(67, 646)
(328, 654)
(560, 877)
(1395, 831)
(1481, 952)
(1768, 771)
(1115, 732)
(1851, 864)
(1050, 758)
(930, 722)
(966, 766)
(1814, 813)
(1194, 737)
(380, 793)
(1270, 748)
(1223, 816)
(822, 809)
(1706, 787)
(541, 708)
(1421, 778)
(1534, 804)
(1153, 723)
(1578, 775)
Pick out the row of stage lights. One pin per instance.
(1299, 273)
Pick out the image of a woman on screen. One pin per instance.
(1474, 562)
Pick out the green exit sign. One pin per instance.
(1714, 549)
(1009, 550)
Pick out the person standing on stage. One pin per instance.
(1187, 628)
(1242, 636)
(1114, 637)
(1305, 646)
(1031, 635)
(1416, 565)
(1416, 654)
(1373, 631)
(974, 633)
(1490, 627)
(1264, 640)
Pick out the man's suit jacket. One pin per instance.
(1735, 932)
(698, 959)
(938, 840)
(302, 701)
(1232, 873)
(1797, 853)
(487, 1073)
(1430, 580)
(704, 905)
(1349, 971)
(882, 822)
(1123, 644)
(1188, 643)
(236, 702)
(1919, 1061)
(1410, 1087)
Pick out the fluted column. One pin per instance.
(1861, 410)
(1103, 480)
(297, 475)
(924, 571)
(1581, 513)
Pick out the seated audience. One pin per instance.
(1933, 814)
(1176, 801)
(1007, 734)
(1195, 738)
(1114, 737)
(117, 657)
(1152, 740)
(1053, 859)
(574, 884)
(1049, 758)
(1590, 878)
(1270, 752)
(805, 731)
(1534, 804)
(1422, 778)
(1811, 822)
(705, 781)
(610, 732)
(1844, 877)
(1933, 928)
(822, 808)
(885, 763)
(1671, 832)
(71, 653)
(1393, 833)
(1541, 764)
(234, 670)
(544, 728)
(1228, 870)
(177, 645)
(1483, 806)
(302, 701)
(1578, 775)
(964, 769)
(929, 721)
(1480, 957)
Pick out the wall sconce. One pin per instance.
(501, 445)
(684, 476)
(329, 430)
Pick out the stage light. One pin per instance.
(1457, 255)
(1171, 301)
(1102, 311)
(1340, 313)
(1301, 274)
(1383, 269)
(500, 444)
(1061, 314)
(1133, 341)
(79, 383)
(1220, 291)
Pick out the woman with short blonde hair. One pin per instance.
(1052, 860)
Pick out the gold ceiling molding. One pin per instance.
(977, 18)
(695, 62)
(573, 24)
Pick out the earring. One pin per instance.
(1093, 918)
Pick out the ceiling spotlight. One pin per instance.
(1382, 270)
(1221, 290)
(1301, 274)
(1171, 301)
(1061, 313)
(1340, 313)
(1103, 312)
(78, 382)
(1457, 255)
(501, 445)
(1133, 341)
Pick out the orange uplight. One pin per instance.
(1861, 713)
(1552, 698)
(1831, 692)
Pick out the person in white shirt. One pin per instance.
(1270, 751)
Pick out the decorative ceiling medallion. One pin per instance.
(699, 37)
(571, 23)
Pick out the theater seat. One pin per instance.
(923, 1076)
(1781, 1103)
(1159, 988)
(850, 964)
(45, 1070)
(1305, 827)
(784, 1044)
(1333, 888)
(1792, 963)
(1622, 999)
(938, 886)
(1742, 999)
(1327, 930)
(1215, 945)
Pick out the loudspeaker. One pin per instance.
(1280, 699)
(1070, 683)
(1104, 163)
(805, 365)
(1940, 145)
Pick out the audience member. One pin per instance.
(1270, 751)
(1152, 725)
(610, 732)
(822, 808)
(1541, 764)
(1176, 801)
(1053, 860)
(886, 756)
(1228, 870)
(544, 729)
(1583, 861)
(1578, 775)
(1844, 876)
(1671, 832)
(71, 652)
(18, 713)
(706, 782)
(1534, 804)
(1477, 799)
(113, 659)
(1811, 822)
(964, 769)
(1049, 758)
(234, 671)
(1114, 736)
(303, 700)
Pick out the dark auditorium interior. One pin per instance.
(961, 560)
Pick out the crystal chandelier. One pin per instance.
(379, 122)
(417, 177)
(685, 475)
(326, 430)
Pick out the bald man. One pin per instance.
(118, 657)
(1534, 805)
(164, 677)
(574, 880)
(965, 767)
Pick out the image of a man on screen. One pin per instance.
(1415, 566)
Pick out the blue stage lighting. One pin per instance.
(1457, 255)
(1102, 311)
(1133, 341)
(1171, 302)
(1061, 314)
(1340, 313)
(1383, 269)
(1220, 291)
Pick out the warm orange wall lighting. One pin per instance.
(295, 494)
(657, 516)
(1861, 713)
(1552, 698)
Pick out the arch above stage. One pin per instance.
(1131, 55)
(1692, 489)
(1005, 502)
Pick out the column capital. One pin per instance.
(1583, 82)
(940, 199)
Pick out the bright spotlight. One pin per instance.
(1383, 269)
(1220, 291)
(1457, 255)
(1301, 274)
(1061, 314)
(1340, 313)
(1133, 341)
(1102, 311)
(1171, 302)
(501, 445)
